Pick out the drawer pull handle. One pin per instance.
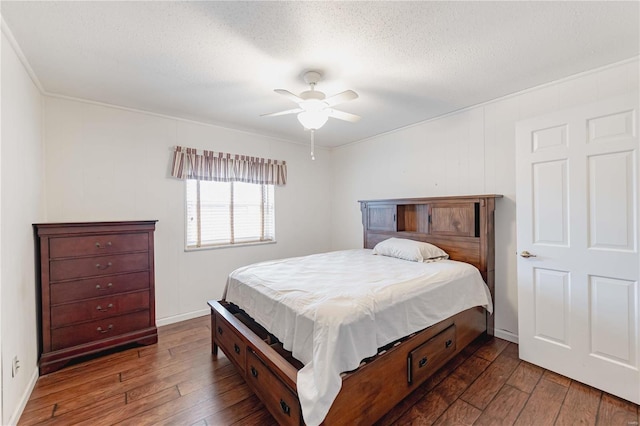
(448, 343)
(236, 348)
(285, 408)
(105, 331)
(254, 372)
(99, 266)
(422, 362)
(101, 309)
(220, 331)
(100, 246)
(99, 287)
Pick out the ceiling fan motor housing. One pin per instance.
(312, 94)
(312, 77)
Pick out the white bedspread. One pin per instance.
(334, 309)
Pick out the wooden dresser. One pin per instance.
(96, 288)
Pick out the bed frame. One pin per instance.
(464, 227)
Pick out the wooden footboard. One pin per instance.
(367, 393)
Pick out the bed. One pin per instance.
(346, 354)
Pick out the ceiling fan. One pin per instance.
(314, 108)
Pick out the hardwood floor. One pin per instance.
(178, 381)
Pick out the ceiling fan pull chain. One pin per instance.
(313, 157)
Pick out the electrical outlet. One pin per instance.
(15, 366)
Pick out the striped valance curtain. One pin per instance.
(188, 163)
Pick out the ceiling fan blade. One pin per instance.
(345, 96)
(288, 94)
(289, 111)
(341, 115)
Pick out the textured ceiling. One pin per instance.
(218, 62)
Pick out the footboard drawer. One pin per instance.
(276, 396)
(230, 342)
(431, 355)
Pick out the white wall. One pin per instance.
(470, 152)
(21, 204)
(106, 163)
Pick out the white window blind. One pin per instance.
(226, 213)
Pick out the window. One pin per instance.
(229, 197)
(228, 213)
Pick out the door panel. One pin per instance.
(448, 220)
(550, 192)
(548, 138)
(611, 127)
(611, 201)
(577, 214)
(381, 217)
(613, 319)
(552, 305)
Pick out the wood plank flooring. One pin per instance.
(178, 381)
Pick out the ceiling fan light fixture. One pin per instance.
(314, 108)
(313, 120)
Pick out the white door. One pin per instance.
(577, 213)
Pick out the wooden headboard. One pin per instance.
(463, 226)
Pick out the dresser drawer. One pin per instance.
(276, 396)
(97, 244)
(70, 291)
(231, 344)
(431, 355)
(103, 307)
(69, 269)
(97, 330)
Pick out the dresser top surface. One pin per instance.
(44, 229)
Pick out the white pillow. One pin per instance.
(415, 251)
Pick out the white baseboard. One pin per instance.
(182, 317)
(13, 420)
(506, 335)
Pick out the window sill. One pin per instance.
(224, 246)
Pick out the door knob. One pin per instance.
(526, 254)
